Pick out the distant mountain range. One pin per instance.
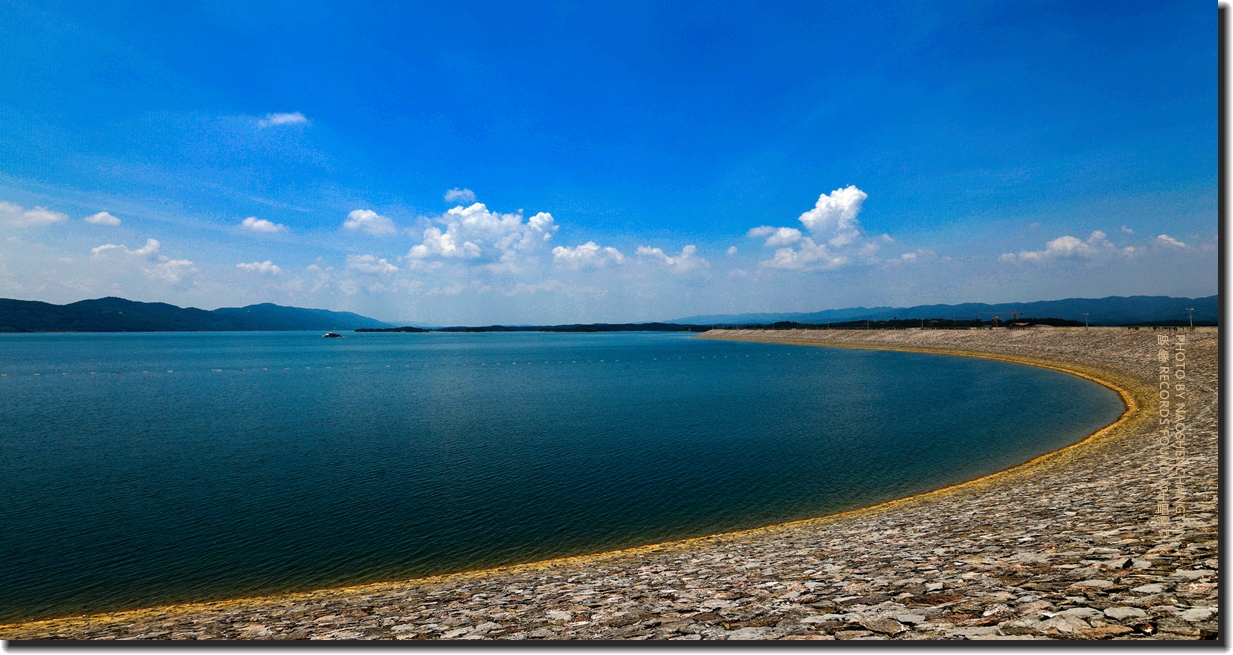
(120, 315)
(1114, 310)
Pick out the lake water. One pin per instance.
(143, 469)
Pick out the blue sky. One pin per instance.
(610, 162)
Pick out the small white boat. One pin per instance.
(332, 335)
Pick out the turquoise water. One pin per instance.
(143, 469)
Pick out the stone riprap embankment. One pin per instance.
(1113, 538)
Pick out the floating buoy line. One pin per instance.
(446, 364)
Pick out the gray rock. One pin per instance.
(1085, 613)
(748, 634)
(852, 634)
(1197, 614)
(1177, 627)
(884, 626)
(1064, 625)
(1124, 613)
(1020, 627)
(823, 618)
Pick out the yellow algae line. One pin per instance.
(367, 589)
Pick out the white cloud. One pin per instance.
(688, 260)
(731, 250)
(271, 120)
(459, 195)
(835, 212)
(441, 243)
(809, 256)
(920, 256)
(1067, 247)
(1127, 230)
(107, 249)
(835, 236)
(102, 218)
(369, 222)
(265, 268)
(475, 233)
(14, 216)
(775, 236)
(151, 248)
(587, 255)
(148, 250)
(323, 277)
(171, 270)
(255, 224)
(1171, 241)
(370, 264)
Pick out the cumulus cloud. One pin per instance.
(835, 235)
(444, 244)
(167, 269)
(688, 260)
(475, 233)
(254, 224)
(1171, 241)
(15, 216)
(272, 120)
(370, 264)
(731, 250)
(459, 195)
(1068, 247)
(102, 218)
(1127, 230)
(587, 255)
(264, 268)
(171, 270)
(775, 236)
(809, 256)
(369, 222)
(107, 249)
(836, 213)
(322, 277)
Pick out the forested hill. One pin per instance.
(120, 315)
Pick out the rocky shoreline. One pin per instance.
(1113, 538)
